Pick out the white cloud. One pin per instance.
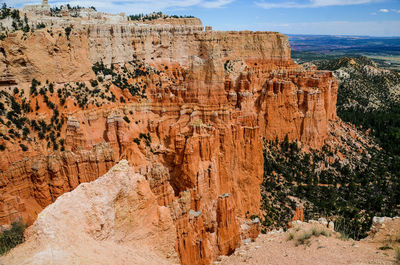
(313, 3)
(384, 10)
(131, 6)
(216, 4)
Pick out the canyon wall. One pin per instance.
(197, 135)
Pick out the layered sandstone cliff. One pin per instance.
(207, 101)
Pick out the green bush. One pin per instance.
(23, 147)
(94, 83)
(303, 238)
(385, 247)
(12, 237)
(68, 31)
(398, 256)
(146, 137)
(40, 26)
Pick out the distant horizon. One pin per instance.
(344, 35)
(369, 18)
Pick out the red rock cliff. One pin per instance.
(211, 98)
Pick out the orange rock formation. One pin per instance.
(216, 96)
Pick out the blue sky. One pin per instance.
(332, 17)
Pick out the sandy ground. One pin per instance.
(278, 249)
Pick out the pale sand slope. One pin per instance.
(277, 249)
(113, 220)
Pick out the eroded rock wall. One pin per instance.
(213, 98)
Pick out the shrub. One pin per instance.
(40, 25)
(146, 137)
(2, 147)
(136, 141)
(315, 231)
(127, 119)
(94, 83)
(303, 238)
(34, 85)
(12, 237)
(68, 31)
(398, 256)
(99, 67)
(386, 247)
(325, 233)
(25, 131)
(23, 147)
(41, 135)
(51, 88)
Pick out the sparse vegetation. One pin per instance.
(12, 237)
(385, 247)
(14, 106)
(40, 25)
(302, 236)
(153, 16)
(17, 23)
(73, 10)
(94, 83)
(23, 147)
(369, 97)
(352, 194)
(68, 31)
(124, 78)
(146, 137)
(398, 255)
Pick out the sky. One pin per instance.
(320, 17)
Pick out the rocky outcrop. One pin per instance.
(113, 220)
(228, 227)
(46, 56)
(197, 138)
(384, 230)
